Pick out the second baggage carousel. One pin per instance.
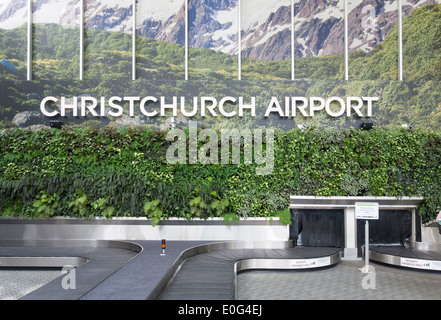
(418, 255)
(212, 274)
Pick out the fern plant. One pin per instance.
(219, 206)
(101, 207)
(45, 206)
(79, 204)
(197, 207)
(153, 211)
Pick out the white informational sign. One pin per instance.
(366, 210)
(421, 264)
(311, 263)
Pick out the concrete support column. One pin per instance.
(413, 236)
(350, 251)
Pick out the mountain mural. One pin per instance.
(213, 24)
(108, 73)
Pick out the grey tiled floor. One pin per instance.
(341, 282)
(136, 278)
(110, 273)
(15, 284)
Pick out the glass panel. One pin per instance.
(421, 40)
(13, 33)
(373, 39)
(213, 46)
(319, 40)
(55, 45)
(160, 45)
(266, 39)
(108, 39)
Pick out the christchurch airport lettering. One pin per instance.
(287, 107)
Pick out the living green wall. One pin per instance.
(110, 172)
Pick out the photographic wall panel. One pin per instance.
(213, 31)
(420, 48)
(164, 22)
(13, 43)
(41, 55)
(108, 51)
(54, 23)
(319, 32)
(266, 36)
(370, 23)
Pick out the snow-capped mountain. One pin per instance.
(161, 20)
(265, 25)
(13, 13)
(212, 23)
(112, 15)
(318, 26)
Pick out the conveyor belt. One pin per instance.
(96, 260)
(211, 275)
(406, 257)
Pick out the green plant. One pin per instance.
(14, 172)
(197, 207)
(219, 207)
(11, 207)
(45, 206)
(101, 208)
(230, 218)
(153, 211)
(90, 182)
(284, 216)
(80, 204)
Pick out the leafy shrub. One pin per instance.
(153, 211)
(45, 205)
(197, 207)
(104, 172)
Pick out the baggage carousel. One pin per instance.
(212, 275)
(189, 270)
(136, 270)
(417, 255)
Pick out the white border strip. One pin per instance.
(29, 41)
(239, 41)
(400, 41)
(292, 40)
(81, 71)
(134, 40)
(58, 229)
(186, 39)
(346, 36)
